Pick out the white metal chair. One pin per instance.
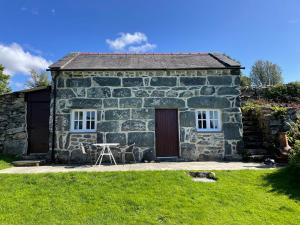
(127, 150)
(89, 152)
(83, 152)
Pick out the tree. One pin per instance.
(245, 81)
(37, 79)
(4, 81)
(265, 73)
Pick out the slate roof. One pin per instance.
(28, 90)
(123, 61)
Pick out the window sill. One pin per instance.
(209, 131)
(82, 131)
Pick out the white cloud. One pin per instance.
(33, 11)
(16, 60)
(136, 42)
(142, 48)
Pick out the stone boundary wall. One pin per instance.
(13, 132)
(126, 100)
(272, 125)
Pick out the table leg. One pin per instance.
(102, 154)
(112, 155)
(98, 158)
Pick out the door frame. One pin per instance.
(178, 133)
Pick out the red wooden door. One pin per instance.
(166, 132)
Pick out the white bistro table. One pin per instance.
(106, 151)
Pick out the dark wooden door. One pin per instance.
(38, 111)
(166, 132)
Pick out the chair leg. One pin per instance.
(110, 159)
(69, 158)
(101, 157)
(98, 158)
(133, 158)
(123, 156)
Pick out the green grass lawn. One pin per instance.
(167, 197)
(5, 161)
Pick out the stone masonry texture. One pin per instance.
(126, 101)
(13, 135)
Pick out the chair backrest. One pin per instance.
(130, 148)
(82, 148)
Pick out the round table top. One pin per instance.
(107, 144)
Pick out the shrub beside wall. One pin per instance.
(273, 119)
(294, 162)
(281, 93)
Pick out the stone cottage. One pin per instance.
(184, 106)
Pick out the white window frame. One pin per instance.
(84, 129)
(208, 129)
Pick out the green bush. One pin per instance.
(250, 106)
(293, 89)
(294, 132)
(294, 162)
(283, 92)
(279, 111)
(245, 81)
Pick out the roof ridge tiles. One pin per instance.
(109, 61)
(127, 53)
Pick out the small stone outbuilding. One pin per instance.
(184, 106)
(24, 122)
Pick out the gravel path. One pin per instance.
(136, 167)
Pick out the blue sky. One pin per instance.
(34, 33)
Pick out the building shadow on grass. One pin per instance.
(7, 158)
(284, 181)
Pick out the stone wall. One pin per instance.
(271, 125)
(13, 135)
(126, 100)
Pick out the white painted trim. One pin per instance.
(83, 130)
(208, 119)
(167, 157)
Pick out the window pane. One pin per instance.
(80, 115)
(211, 123)
(93, 125)
(76, 125)
(200, 124)
(199, 115)
(80, 125)
(88, 115)
(216, 124)
(204, 115)
(88, 125)
(76, 115)
(211, 114)
(216, 115)
(93, 115)
(204, 124)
